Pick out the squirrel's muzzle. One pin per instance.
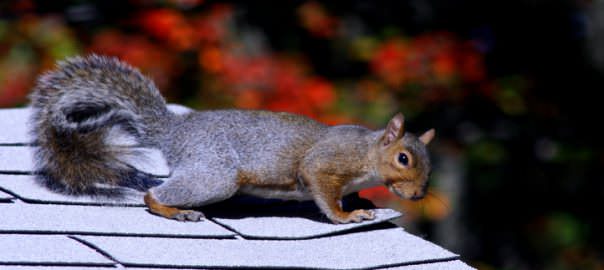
(407, 189)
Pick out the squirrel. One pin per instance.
(89, 111)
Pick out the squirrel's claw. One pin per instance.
(355, 216)
(188, 215)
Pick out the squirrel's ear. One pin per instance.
(427, 136)
(394, 130)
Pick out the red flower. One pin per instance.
(472, 65)
(15, 86)
(430, 60)
(316, 20)
(389, 62)
(319, 92)
(211, 59)
(212, 28)
(169, 26)
(444, 66)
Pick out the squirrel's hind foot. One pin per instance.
(170, 212)
(188, 215)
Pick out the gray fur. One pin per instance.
(77, 110)
(208, 149)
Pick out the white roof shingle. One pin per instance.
(14, 126)
(40, 229)
(26, 189)
(295, 227)
(18, 249)
(74, 219)
(363, 250)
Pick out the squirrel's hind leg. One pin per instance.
(192, 187)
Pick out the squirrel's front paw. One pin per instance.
(354, 216)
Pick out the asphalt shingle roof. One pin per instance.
(4, 197)
(40, 229)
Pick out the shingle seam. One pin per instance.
(420, 262)
(100, 204)
(15, 196)
(8, 198)
(36, 201)
(9, 172)
(96, 249)
(111, 234)
(57, 264)
(368, 227)
(17, 144)
(170, 266)
(237, 235)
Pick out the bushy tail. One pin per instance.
(87, 113)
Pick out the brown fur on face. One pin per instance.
(408, 181)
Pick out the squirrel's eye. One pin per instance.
(403, 159)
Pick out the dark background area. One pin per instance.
(510, 86)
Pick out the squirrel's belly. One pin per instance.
(285, 188)
(275, 193)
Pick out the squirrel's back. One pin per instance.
(78, 109)
(256, 137)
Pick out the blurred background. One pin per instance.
(510, 87)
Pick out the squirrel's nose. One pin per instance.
(417, 196)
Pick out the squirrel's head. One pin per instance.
(402, 159)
